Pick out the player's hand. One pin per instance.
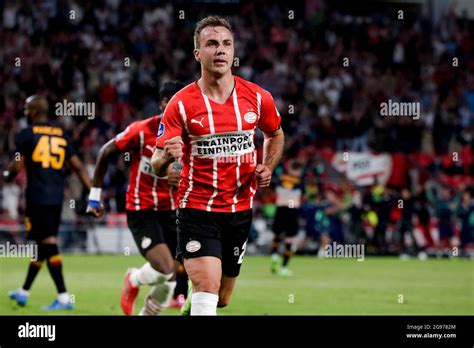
(264, 175)
(174, 147)
(173, 178)
(95, 211)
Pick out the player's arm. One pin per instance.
(13, 169)
(169, 145)
(273, 143)
(162, 158)
(108, 150)
(273, 148)
(128, 140)
(105, 153)
(23, 138)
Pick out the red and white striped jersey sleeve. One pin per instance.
(270, 119)
(171, 124)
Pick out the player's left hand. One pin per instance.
(264, 175)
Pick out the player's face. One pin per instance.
(216, 50)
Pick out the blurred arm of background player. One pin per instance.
(108, 150)
(80, 170)
(75, 163)
(272, 150)
(13, 169)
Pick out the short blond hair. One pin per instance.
(210, 21)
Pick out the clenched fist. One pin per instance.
(264, 175)
(174, 148)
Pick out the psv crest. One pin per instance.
(250, 117)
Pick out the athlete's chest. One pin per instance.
(238, 113)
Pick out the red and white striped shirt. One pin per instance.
(219, 157)
(145, 190)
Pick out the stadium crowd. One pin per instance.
(328, 71)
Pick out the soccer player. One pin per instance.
(44, 148)
(210, 126)
(406, 226)
(150, 205)
(286, 225)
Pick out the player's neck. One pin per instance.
(217, 88)
(41, 119)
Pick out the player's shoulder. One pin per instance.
(151, 123)
(139, 124)
(249, 86)
(24, 132)
(24, 136)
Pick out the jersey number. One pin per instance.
(50, 152)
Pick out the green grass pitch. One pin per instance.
(318, 287)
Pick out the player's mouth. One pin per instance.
(219, 61)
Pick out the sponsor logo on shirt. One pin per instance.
(223, 144)
(198, 122)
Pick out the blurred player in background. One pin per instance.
(286, 224)
(444, 207)
(210, 126)
(151, 216)
(465, 213)
(406, 226)
(44, 149)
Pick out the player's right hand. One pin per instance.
(93, 210)
(174, 147)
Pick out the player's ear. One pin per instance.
(196, 55)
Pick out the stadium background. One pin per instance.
(117, 54)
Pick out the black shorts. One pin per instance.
(150, 227)
(286, 222)
(42, 221)
(223, 235)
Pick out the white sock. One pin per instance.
(158, 299)
(147, 275)
(63, 298)
(204, 303)
(23, 292)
